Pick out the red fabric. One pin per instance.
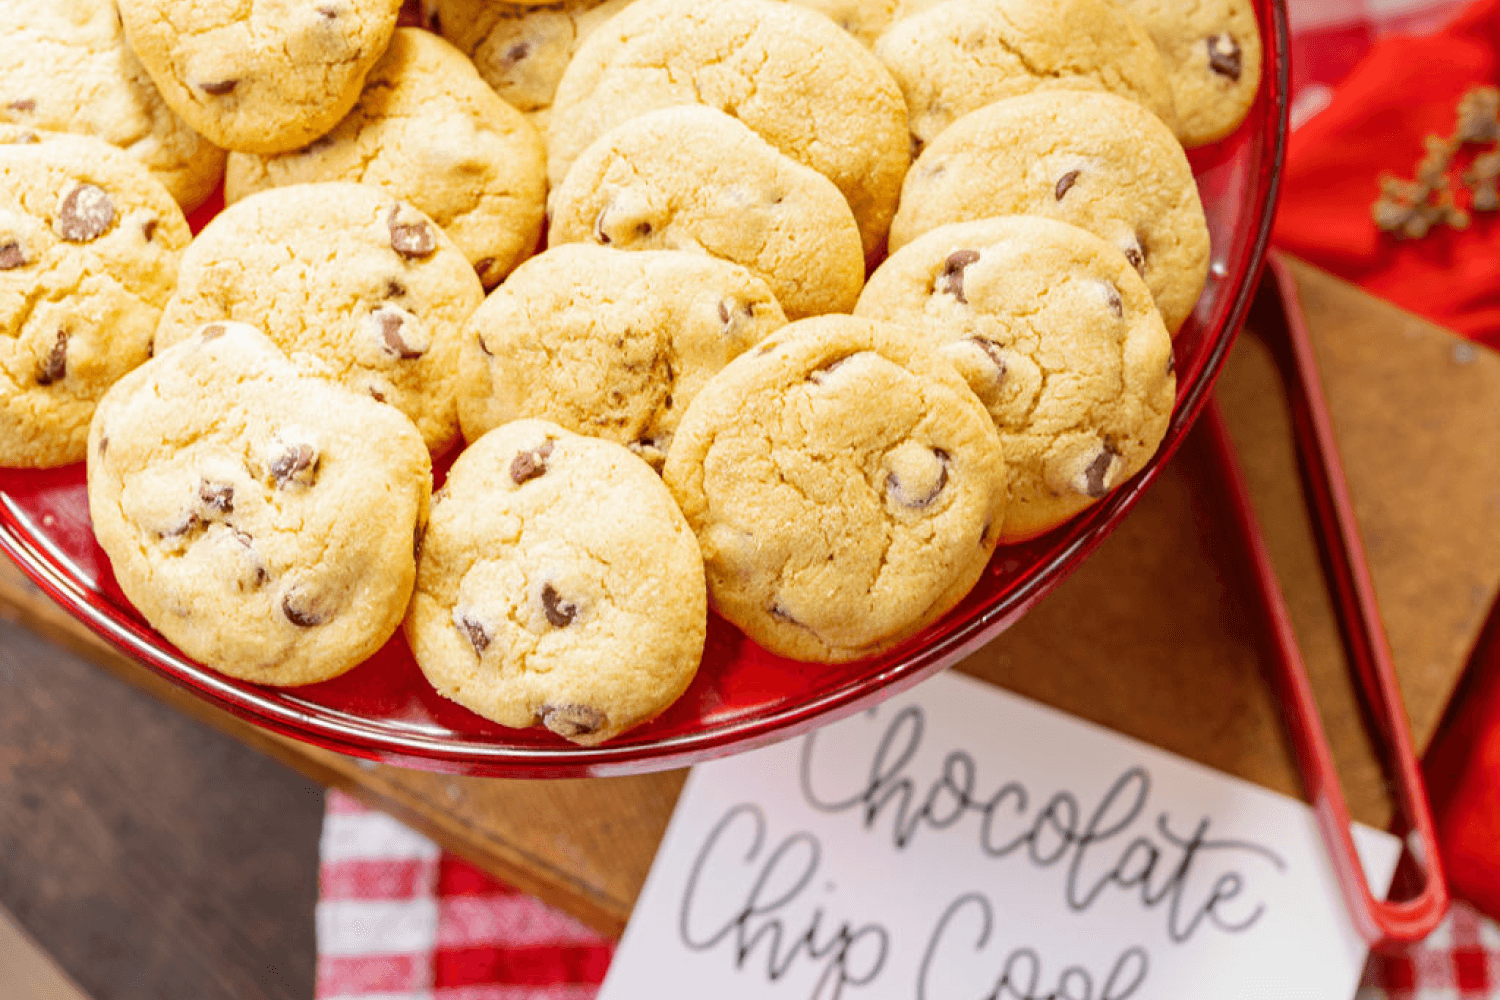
(1404, 89)
(400, 919)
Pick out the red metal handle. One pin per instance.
(1334, 523)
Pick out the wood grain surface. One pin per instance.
(151, 856)
(1155, 635)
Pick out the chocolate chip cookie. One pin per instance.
(89, 245)
(960, 55)
(67, 68)
(559, 586)
(260, 76)
(1058, 337)
(1095, 160)
(610, 344)
(261, 520)
(790, 74)
(846, 486)
(350, 282)
(692, 178)
(429, 131)
(520, 49)
(1213, 54)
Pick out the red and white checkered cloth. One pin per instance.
(400, 919)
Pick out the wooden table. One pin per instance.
(1155, 636)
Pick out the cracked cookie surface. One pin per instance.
(1213, 53)
(846, 486)
(89, 247)
(68, 68)
(428, 130)
(559, 586)
(960, 55)
(1095, 160)
(607, 343)
(261, 520)
(520, 49)
(1057, 336)
(261, 76)
(692, 178)
(350, 282)
(795, 78)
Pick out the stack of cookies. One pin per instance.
(837, 296)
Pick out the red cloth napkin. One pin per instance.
(400, 919)
(1405, 88)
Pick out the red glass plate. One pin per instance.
(743, 697)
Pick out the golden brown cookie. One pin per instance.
(429, 131)
(846, 487)
(559, 586)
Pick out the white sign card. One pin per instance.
(962, 843)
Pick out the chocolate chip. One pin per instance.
(297, 464)
(516, 53)
(213, 331)
(779, 612)
(390, 324)
(86, 214)
(600, 236)
(1065, 183)
(1096, 474)
(410, 240)
(732, 314)
(394, 289)
(190, 522)
(1224, 56)
(1135, 252)
(528, 465)
(473, 630)
(54, 366)
(262, 577)
(296, 606)
(904, 497)
(994, 352)
(219, 496)
(820, 375)
(1116, 304)
(560, 613)
(218, 88)
(951, 280)
(572, 721)
(148, 229)
(11, 256)
(25, 104)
